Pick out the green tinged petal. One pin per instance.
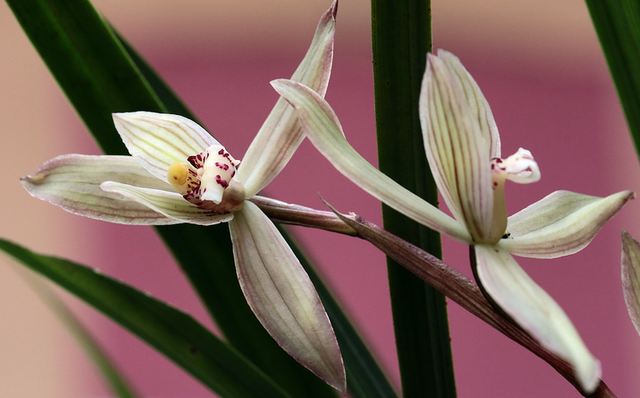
(72, 182)
(535, 311)
(560, 224)
(631, 277)
(169, 204)
(457, 147)
(282, 296)
(281, 134)
(323, 129)
(157, 140)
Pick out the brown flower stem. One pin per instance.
(432, 270)
(287, 213)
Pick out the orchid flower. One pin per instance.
(463, 149)
(178, 173)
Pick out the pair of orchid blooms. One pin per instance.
(178, 173)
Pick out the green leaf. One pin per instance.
(92, 348)
(401, 37)
(617, 23)
(170, 331)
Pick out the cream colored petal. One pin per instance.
(280, 135)
(535, 311)
(323, 129)
(157, 140)
(560, 224)
(631, 277)
(169, 204)
(457, 149)
(282, 296)
(72, 182)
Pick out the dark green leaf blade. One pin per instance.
(617, 24)
(167, 329)
(401, 37)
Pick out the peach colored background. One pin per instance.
(539, 65)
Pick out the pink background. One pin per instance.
(550, 92)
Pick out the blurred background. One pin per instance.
(538, 63)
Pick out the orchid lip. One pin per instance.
(207, 180)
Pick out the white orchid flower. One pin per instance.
(178, 173)
(463, 149)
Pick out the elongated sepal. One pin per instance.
(157, 140)
(72, 182)
(170, 204)
(457, 144)
(282, 296)
(535, 311)
(477, 102)
(322, 127)
(560, 224)
(631, 277)
(280, 135)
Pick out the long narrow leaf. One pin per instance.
(401, 37)
(169, 330)
(617, 23)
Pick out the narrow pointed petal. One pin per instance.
(157, 140)
(535, 311)
(323, 129)
(560, 224)
(631, 277)
(457, 147)
(282, 296)
(169, 204)
(72, 182)
(280, 135)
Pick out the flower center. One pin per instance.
(520, 168)
(206, 180)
